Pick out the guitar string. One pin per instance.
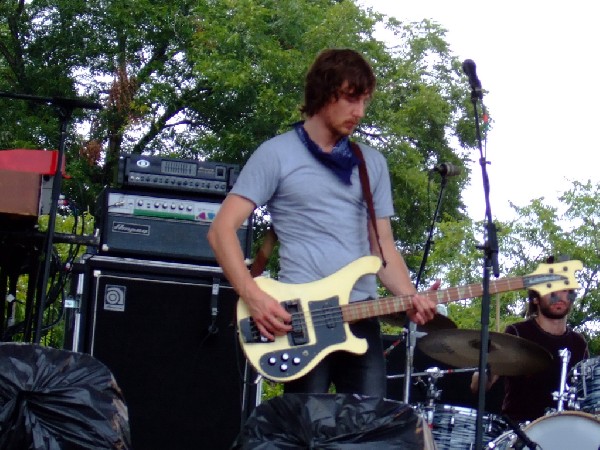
(332, 314)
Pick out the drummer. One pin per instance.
(528, 397)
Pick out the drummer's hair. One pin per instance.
(532, 308)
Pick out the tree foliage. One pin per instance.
(212, 79)
(539, 230)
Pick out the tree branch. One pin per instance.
(155, 128)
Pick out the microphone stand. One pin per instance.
(490, 261)
(411, 337)
(64, 108)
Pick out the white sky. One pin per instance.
(538, 62)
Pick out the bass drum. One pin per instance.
(558, 431)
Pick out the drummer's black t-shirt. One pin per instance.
(527, 397)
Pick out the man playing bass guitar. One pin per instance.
(309, 179)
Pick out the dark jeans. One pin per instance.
(350, 373)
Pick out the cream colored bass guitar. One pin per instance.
(321, 313)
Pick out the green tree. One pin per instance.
(210, 80)
(213, 79)
(569, 230)
(539, 229)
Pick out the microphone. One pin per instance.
(468, 67)
(447, 170)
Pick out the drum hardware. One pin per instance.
(513, 436)
(585, 379)
(565, 393)
(409, 336)
(507, 354)
(454, 427)
(436, 371)
(433, 374)
(401, 338)
(556, 431)
(432, 395)
(439, 322)
(576, 376)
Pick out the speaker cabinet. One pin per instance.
(166, 331)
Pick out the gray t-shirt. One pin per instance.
(321, 222)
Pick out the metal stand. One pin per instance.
(64, 108)
(252, 392)
(412, 327)
(433, 394)
(563, 394)
(490, 260)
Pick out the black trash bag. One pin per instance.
(58, 400)
(332, 421)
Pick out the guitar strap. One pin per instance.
(367, 194)
(265, 250)
(263, 253)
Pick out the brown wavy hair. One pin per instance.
(328, 73)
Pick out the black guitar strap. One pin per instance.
(264, 252)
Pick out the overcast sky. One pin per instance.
(538, 62)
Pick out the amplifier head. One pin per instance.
(161, 226)
(179, 175)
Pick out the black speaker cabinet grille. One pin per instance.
(178, 363)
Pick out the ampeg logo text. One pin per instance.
(114, 297)
(143, 163)
(131, 228)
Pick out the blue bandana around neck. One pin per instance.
(340, 161)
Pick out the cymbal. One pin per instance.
(439, 322)
(507, 354)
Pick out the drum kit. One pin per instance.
(573, 424)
